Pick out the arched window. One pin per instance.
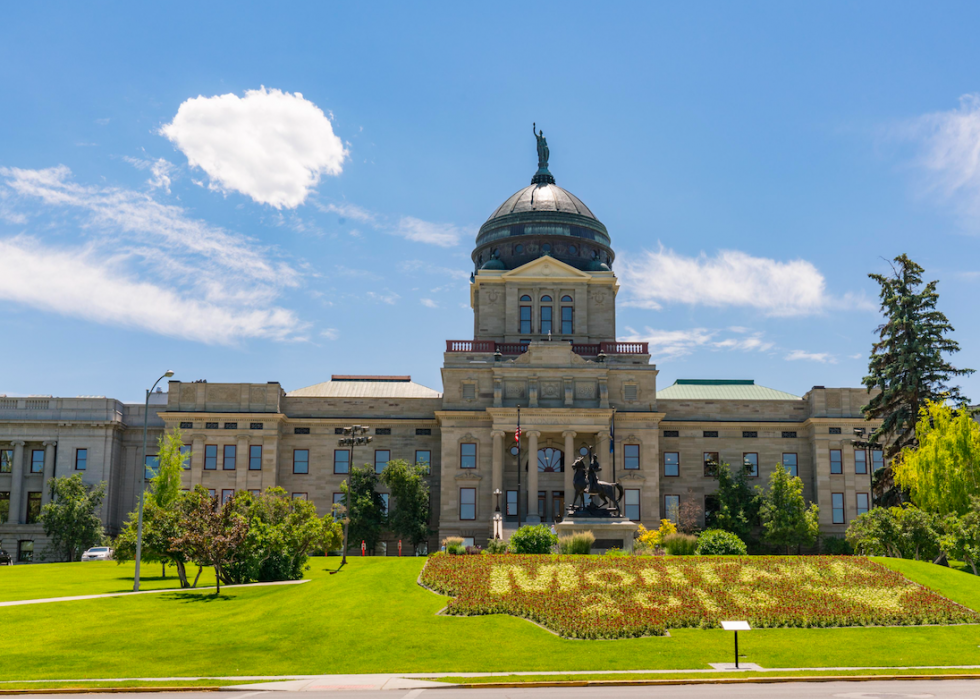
(566, 299)
(550, 460)
(545, 299)
(525, 318)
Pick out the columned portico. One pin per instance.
(570, 455)
(49, 448)
(532, 477)
(17, 484)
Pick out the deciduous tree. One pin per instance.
(786, 519)
(212, 531)
(738, 503)
(366, 507)
(71, 520)
(408, 512)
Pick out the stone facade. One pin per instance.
(544, 351)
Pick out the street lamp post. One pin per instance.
(139, 526)
(498, 519)
(353, 436)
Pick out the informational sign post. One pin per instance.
(736, 626)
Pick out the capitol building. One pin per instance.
(543, 296)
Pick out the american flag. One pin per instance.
(517, 434)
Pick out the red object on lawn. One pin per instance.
(363, 547)
(399, 548)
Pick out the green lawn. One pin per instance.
(373, 617)
(90, 578)
(704, 676)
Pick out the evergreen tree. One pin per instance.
(737, 502)
(907, 364)
(786, 520)
(408, 515)
(366, 508)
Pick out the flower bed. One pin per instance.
(597, 597)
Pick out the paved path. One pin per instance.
(877, 689)
(16, 603)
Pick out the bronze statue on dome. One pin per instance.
(543, 152)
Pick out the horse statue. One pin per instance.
(605, 491)
(581, 483)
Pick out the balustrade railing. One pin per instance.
(512, 348)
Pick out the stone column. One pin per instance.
(16, 484)
(241, 462)
(570, 456)
(602, 444)
(532, 477)
(497, 472)
(48, 472)
(197, 460)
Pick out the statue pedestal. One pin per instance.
(609, 532)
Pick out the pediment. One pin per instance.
(550, 354)
(546, 268)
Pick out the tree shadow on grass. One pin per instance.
(199, 597)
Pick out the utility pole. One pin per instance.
(355, 435)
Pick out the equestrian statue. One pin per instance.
(587, 483)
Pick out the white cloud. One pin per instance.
(822, 357)
(148, 253)
(351, 211)
(160, 169)
(731, 278)
(857, 356)
(445, 235)
(270, 145)
(428, 269)
(429, 303)
(754, 343)
(77, 283)
(390, 298)
(670, 344)
(330, 333)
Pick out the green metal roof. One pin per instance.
(721, 389)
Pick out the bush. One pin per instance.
(533, 539)
(616, 553)
(495, 546)
(579, 543)
(835, 546)
(716, 542)
(680, 544)
(454, 545)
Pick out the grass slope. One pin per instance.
(373, 617)
(90, 578)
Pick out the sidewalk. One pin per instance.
(16, 603)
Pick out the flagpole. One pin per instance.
(612, 444)
(517, 436)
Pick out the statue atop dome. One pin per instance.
(543, 152)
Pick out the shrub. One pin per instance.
(616, 553)
(579, 543)
(495, 546)
(680, 544)
(835, 546)
(649, 539)
(716, 542)
(454, 545)
(532, 539)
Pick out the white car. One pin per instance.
(97, 553)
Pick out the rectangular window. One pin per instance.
(711, 434)
(338, 506)
(384, 502)
(300, 496)
(255, 457)
(631, 457)
(4, 506)
(862, 503)
(525, 320)
(301, 430)
(423, 457)
(711, 462)
(255, 425)
(834, 430)
(511, 503)
(672, 463)
(381, 459)
(860, 461)
(557, 505)
(672, 433)
(341, 461)
(790, 464)
(211, 492)
(301, 460)
(254, 492)
(837, 505)
(210, 457)
(467, 503)
(382, 430)
(186, 425)
(566, 320)
(836, 465)
(210, 425)
(185, 452)
(877, 459)
(33, 507)
(749, 435)
(231, 425)
(542, 496)
(423, 431)
(6, 460)
(25, 551)
(227, 494)
(81, 459)
(228, 462)
(151, 466)
(37, 461)
(545, 320)
(632, 499)
(789, 435)
(751, 462)
(672, 507)
(467, 455)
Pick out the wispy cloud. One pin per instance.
(330, 333)
(160, 171)
(445, 235)
(803, 355)
(270, 145)
(730, 278)
(429, 303)
(148, 251)
(421, 267)
(389, 297)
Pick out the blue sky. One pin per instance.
(260, 192)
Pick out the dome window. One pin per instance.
(518, 248)
(546, 247)
(572, 250)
